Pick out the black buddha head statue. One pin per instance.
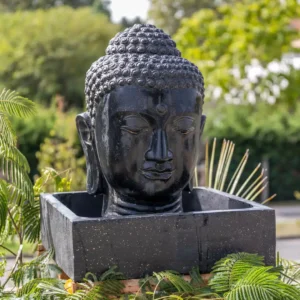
(142, 130)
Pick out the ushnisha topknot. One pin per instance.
(140, 55)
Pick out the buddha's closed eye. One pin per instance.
(135, 124)
(184, 124)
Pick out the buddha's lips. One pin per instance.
(155, 174)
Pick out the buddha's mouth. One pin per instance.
(154, 174)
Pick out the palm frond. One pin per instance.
(13, 104)
(7, 133)
(290, 273)
(10, 152)
(176, 280)
(3, 204)
(262, 283)
(31, 288)
(228, 270)
(110, 274)
(40, 266)
(31, 220)
(20, 185)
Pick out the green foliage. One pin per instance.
(230, 269)
(62, 151)
(262, 283)
(13, 5)
(53, 56)
(13, 164)
(39, 267)
(167, 14)
(32, 132)
(221, 40)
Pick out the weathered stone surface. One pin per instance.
(213, 225)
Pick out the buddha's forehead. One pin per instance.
(141, 99)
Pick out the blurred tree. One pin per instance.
(13, 5)
(238, 52)
(125, 22)
(48, 52)
(102, 6)
(167, 14)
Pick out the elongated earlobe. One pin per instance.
(95, 183)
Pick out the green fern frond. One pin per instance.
(53, 290)
(290, 273)
(3, 204)
(31, 221)
(10, 152)
(13, 104)
(196, 279)
(228, 270)
(262, 283)
(111, 274)
(176, 280)
(20, 185)
(31, 288)
(38, 267)
(7, 133)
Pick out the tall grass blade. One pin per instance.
(237, 171)
(259, 192)
(227, 164)
(253, 184)
(248, 179)
(248, 197)
(220, 164)
(207, 164)
(211, 168)
(239, 174)
(196, 176)
(269, 199)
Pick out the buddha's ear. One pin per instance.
(95, 183)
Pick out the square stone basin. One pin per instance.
(212, 225)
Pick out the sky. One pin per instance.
(129, 9)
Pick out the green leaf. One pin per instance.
(4, 194)
(260, 283)
(228, 270)
(14, 105)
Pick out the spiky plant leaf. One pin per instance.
(7, 132)
(11, 103)
(290, 273)
(31, 287)
(31, 221)
(111, 274)
(40, 266)
(3, 204)
(10, 152)
(176, 280)
(228, 270)
(262, 283)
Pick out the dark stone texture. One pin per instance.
(142, 129)
(212, 225)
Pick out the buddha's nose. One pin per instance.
(159, 147)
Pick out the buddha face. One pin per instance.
(147, 140)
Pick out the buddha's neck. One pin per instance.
(118, 205)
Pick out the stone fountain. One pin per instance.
(140, 137)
